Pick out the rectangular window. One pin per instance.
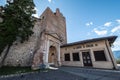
(89, 45)
(67, 57)
(76, 57)
(78, 47)
(99, 55)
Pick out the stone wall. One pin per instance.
(21, 54)
(30, 53)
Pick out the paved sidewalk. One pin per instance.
(93, 74)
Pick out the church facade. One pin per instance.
(48, 45)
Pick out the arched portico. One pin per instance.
(52, 56)
(50, 47)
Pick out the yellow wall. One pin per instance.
(101, 45)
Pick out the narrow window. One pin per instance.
(96, 44)
(43, 17)
(78, 47)
(67, 57)
(65, 48)
(76, 57)
(99, 55)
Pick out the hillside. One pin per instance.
(116, 54)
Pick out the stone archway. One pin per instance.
(53, 56)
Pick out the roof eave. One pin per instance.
(111, 40)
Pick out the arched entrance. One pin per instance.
(52, 56)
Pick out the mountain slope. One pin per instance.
(116, 54)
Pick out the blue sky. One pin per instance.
(86, 19)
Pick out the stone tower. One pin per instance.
(43, 47)
(53, 26)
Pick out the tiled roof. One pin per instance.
(111, 39)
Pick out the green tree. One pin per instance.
(17, 23)
(118, 60)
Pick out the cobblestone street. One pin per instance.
(93, 74)
(69, 73)
(50, 75)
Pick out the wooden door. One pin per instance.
(86, 59)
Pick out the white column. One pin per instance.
(58, 51)
(81, 59)
(111, 54)
(92, 56)
(47, 54)
(107, 55)
(71, 57)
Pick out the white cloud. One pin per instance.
(107, 24)
(115, 29)
(116, 45)
(49, 1)
(98, 32)
(36, 9)
(36, 15)
(89, 24)
(118, 21)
